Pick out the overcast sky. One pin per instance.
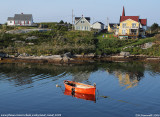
(98, 10)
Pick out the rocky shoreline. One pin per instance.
(78, 59)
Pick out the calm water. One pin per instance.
(131, 88)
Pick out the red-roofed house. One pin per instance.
(132, 26)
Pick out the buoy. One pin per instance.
(58, 85)
(104, 96)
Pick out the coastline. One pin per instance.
(79, 59)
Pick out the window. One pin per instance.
(124, 25)
(26, 22)
(82, 21)
(82, 27)
(123, 32)
(133, 25)
(77, 28)
(10, 21)
(16, 22)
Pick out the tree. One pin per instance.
(154, 27)
(61, 22)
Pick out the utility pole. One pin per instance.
(107, 21)
(72, 20)
(93, 19)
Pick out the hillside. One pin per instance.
(60, 39)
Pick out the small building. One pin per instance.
(20, 20)
(82, 23)
(112, 27)
(99, 26)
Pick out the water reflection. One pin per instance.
(127, 79)
(81, 77)
(128, 74)
(89, 97)
(23, 74)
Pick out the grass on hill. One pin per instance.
(105, 36)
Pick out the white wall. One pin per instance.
(10, 23)
(97, 26)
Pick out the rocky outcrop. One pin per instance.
(3, 55)
(31, 38)
(27, 31)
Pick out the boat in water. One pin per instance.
(80, 87)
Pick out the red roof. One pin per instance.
(135, 18)
(143, 22)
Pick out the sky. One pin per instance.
(97, 10)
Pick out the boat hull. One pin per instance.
(89, 90)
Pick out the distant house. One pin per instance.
(82, 23)
(132, 26)
(112, 27)
(98, 26)
(20, 20)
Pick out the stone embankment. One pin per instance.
(78, 59)
(67, 58)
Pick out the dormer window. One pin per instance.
(133, 25)
(82, 21)
(124, 25)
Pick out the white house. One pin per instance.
(98, 26)
(20, 20)
(82, 23)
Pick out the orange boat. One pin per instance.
(89, 97)
(80, 87)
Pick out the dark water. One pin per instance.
(130, 88)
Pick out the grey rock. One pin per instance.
(31, 38)
(124, 54)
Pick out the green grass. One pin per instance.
(140, 42)
(61, 40)
(109, 44)
(25, 27)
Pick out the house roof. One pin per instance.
(143, 22)
(87, 18)
(21, 17)
(135, 18)
(76, 21)
(10, 18)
